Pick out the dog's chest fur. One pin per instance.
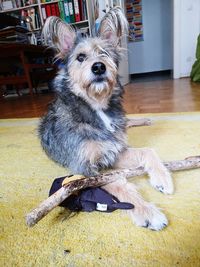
(106, 120)
(75, 112)
(79, 137)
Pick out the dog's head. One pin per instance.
(91, 63)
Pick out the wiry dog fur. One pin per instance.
(85, 128)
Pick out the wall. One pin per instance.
(186, 30)
(123, 66)
(155, 52)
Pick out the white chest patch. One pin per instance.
(106, 120)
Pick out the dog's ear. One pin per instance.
(58, 35)
(113, 26)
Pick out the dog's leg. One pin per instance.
(144, 214)
(160, 177)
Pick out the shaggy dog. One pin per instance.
(85, 127)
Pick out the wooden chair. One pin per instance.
(19, 64)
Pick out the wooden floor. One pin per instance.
(140, 97)
(179, 95)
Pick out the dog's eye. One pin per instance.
(81, 57)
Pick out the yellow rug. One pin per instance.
(98, 239)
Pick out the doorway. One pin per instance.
(155, 52)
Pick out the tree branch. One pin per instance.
(54, 200)
(131, 122)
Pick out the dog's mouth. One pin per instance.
(99, 79)
(99, 87)
(99, 84)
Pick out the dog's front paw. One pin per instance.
(162, 181)
(149, 217)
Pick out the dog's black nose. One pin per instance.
(98, 68)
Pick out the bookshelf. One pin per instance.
(75, 12)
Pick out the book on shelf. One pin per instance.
(9, 4)
(53, 9)
(18, 3)
(84, 10)
(44, 15)
(6, 5)
(80, 9)
(57, 10)
(14, 34)
(61, 9)
(70, 11)
(37, 21)
(9, 29)
(66, 11)
(80, 3)
(14, 39)
(48, 10)
(32, 13)
(77, 11)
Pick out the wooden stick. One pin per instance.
(54, 200)
(131, 122)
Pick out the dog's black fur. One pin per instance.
(65, 129)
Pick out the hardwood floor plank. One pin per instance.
(140, 97)
(162, 96)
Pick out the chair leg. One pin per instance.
(17, 90)
(27, 72)
(1, 92)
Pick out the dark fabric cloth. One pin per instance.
(90, 199)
